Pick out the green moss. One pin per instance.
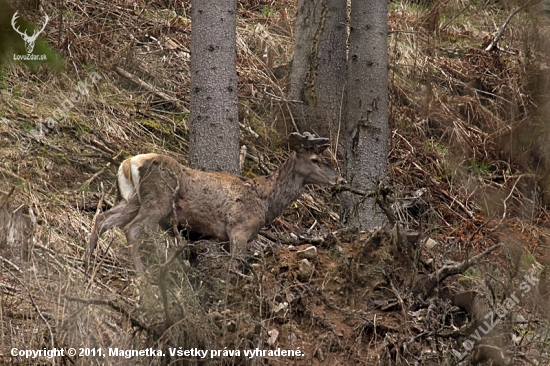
(155, 126)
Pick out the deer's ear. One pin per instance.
(294, 142)
(320, 148)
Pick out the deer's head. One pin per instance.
(310, 164)
(29, 40)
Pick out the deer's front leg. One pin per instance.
(241, 233)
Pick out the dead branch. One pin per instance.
(493, 44)
(5, 200)
(150, 88)
(135, 322)
(37, 308)
(381, 194)
(426, 285)
(100, 171)
(339, 189)
(7, 261)
(293, 240)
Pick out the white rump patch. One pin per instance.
(129, 186)
(126, 186)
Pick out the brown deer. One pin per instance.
(152, 187)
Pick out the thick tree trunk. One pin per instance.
(214, 125)
(366, 120)
(318, 69)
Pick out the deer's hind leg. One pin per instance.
(145, 221)
(118, 216)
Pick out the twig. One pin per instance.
(505, 24)
(478, 230)
(507, 198)
(31, 298)
(150, 88)
(11, 264)
(6, 199)
(339, 189)
(401, 303)
(164, 268)
(98, 173)
(456, 16)
(135, 322)
(433, 279)
(380, 195)
(258, 161)
(292, 118)
(13, 175)
(455, 200)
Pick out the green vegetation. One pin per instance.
(479, 167)
(268, 11)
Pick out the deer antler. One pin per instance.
(24, 34)
(309, 140)
(16, 28)
(314, 140)
(35, 34)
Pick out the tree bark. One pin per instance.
(214, 122)
(318, 69)
(366, 118)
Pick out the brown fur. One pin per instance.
(220, 205)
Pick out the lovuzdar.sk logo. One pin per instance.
(29, 40)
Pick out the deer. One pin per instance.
(156, 189)
(29, 40)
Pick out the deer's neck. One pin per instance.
(283, 187)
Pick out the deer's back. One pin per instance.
(206, 202)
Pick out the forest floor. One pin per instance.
(458, 276)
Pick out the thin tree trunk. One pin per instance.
(214, 123)
(366, 121)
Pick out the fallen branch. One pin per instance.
(493, 44)
(37, 309)
(293, 240)
(150, 88)
(7, 261)
(7, 197)
(381, 194)
(428, 284)
(99, 172)
(135, 322)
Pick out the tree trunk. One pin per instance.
(317, 76)
(214, 123)
(366, 120)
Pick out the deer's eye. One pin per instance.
(315, 160)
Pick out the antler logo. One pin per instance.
(29, 40)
